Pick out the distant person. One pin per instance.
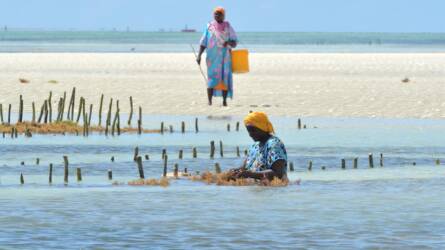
(218, 39)
(267, 157)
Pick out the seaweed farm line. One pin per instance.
(335, 205)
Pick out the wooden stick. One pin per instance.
(110, 174)
(50, 177)
(217, 168)
(45, 120)
(136, 153)
(195, 152)
(183, 127)
(140, 121)
(299, 123)
(310, 166)
(355, 164)
(237, 126)
(118, 122)
(165, 166)
(100, 109)
(70, 112)
(140, 167)
(371, 161)
(196, 125)
(115, 118)
(176, 170)
(20, 110)
(90, 114)
(147, 157)
(381, 160)
(63, 107)
(33, 113)
(9, 114)
(65, 175)
(107, 122)
(221, 149)
(212, 149)
(171, 128)
(237, 151)
(79, 112)
(112, 158)
(164, 153)
(1, 113)
(79, 174)
(16, 132)
(22, 180)
(228, 127)
(37, 161)
(162, 127)
(437, 162)
(343, 163)
(180, 154)
(131, 111)
(50, 107)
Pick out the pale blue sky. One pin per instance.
(245, 15)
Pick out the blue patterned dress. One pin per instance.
(263, 156)
(219, 58)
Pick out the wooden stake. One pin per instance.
(136, 153)
(90, 114)
(63, 107)
(165, 166)
(162, 127)
(237, 126)
(221, 149)
(237, 151)
(147, 157)
(164, 153)
(291, 166)
(228, 127)
(183, 127)
(217, 168)
(196, 125)
(45, 120)
(355, 164)
(79, 174)
(9, 114)
(50, 107)
(176, 170)
(33, 113)
(195, 152)
(50, 177)
(212, 149)
(140, 121)
(140, 167)
(171, 128)
(1, 113)
(80, 109)
(343, 163)
(65, 175)
(299, 123)
(37, 161)
(112, 158)
(70, 112)
(107, 122)
(100, 109)
(20, 110)
(437, 162)
(180, 154)
(22, 180)
(131, 111)
(371, 161)
(310, 166)
(110, 174)
(381, 160)
(115, 118)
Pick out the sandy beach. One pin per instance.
(328, 85)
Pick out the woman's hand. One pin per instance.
(230, 43)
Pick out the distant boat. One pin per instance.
(186, 29)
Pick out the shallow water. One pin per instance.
(396, 206)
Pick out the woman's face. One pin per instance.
(219, 17)
(255, 133)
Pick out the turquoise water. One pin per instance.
(397, 206)
(76, 41)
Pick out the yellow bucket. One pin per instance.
(240, 61)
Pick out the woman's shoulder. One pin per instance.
(274, 141)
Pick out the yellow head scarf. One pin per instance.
(220, 10)
(259, 120)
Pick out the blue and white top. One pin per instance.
(262, 156)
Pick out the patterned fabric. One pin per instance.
(263, 156)
(219, 59)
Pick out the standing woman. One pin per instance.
(218, 39)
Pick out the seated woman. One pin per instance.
(267, 157)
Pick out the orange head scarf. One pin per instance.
(220, 10)
(259, 120)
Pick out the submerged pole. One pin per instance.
(140, 167)
(65, 175)
(371, 161)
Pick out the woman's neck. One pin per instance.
(265, 139)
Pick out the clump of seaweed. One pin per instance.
(163, 182)
(61, 127)
(53, 81)
(224, 179)
(23, 80)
